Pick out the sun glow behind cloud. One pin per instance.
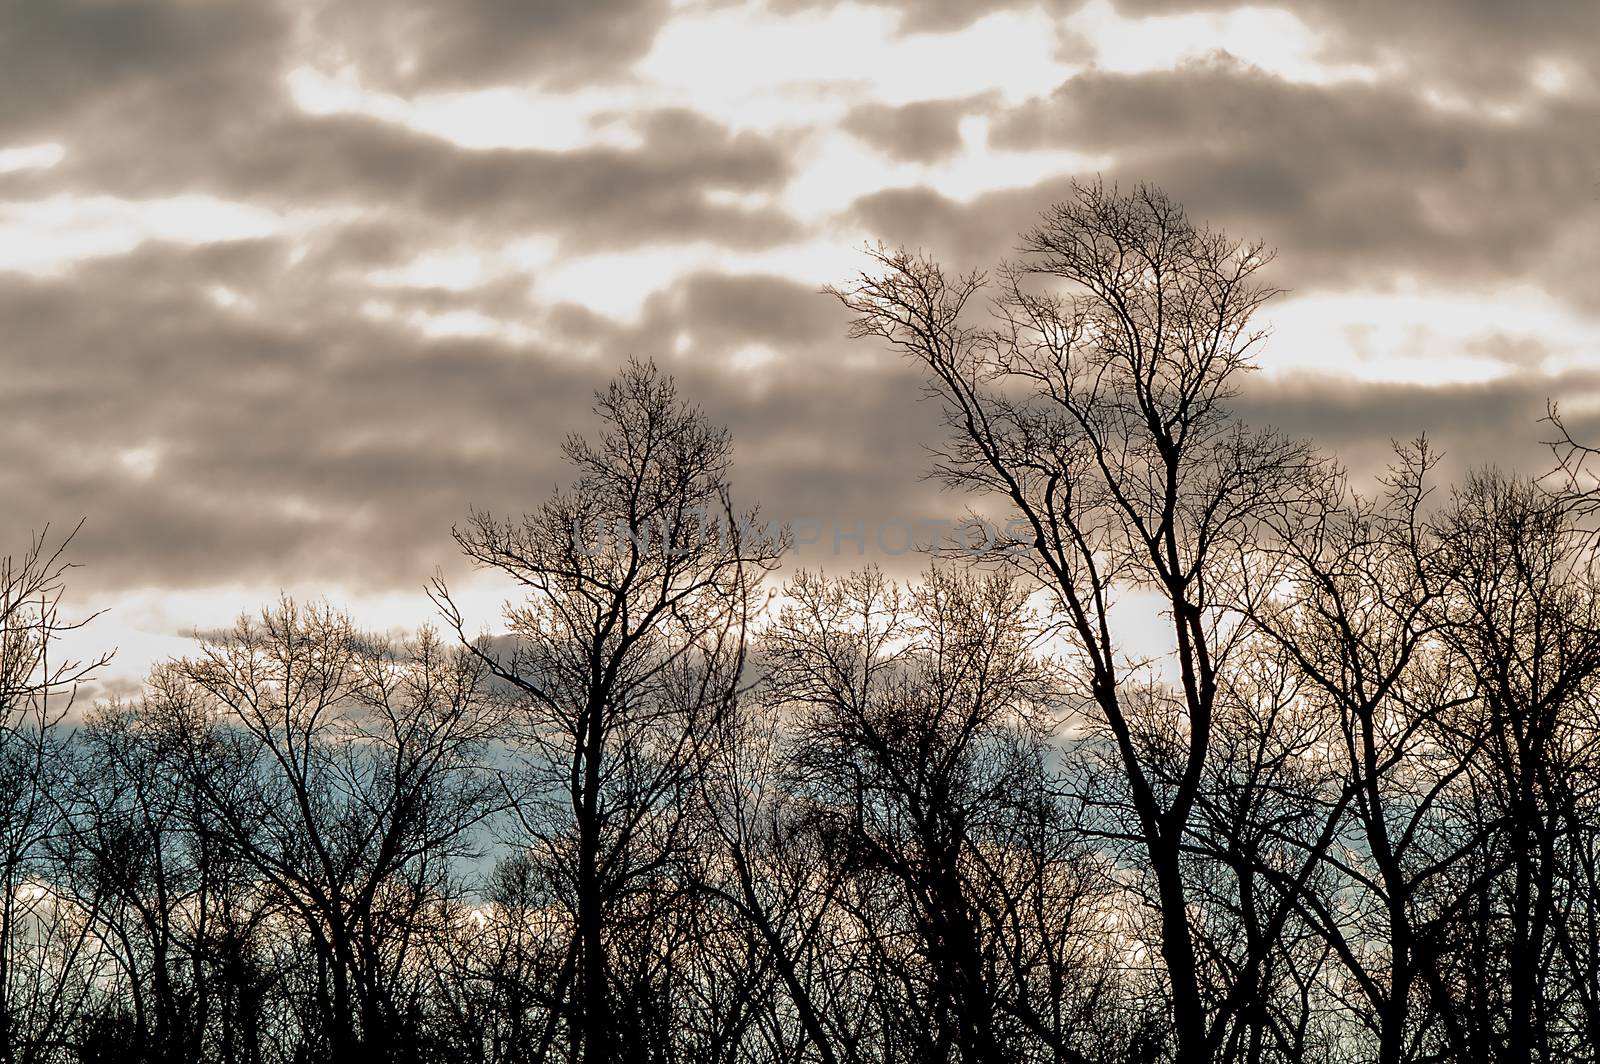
(30, 157)
(150, 625)
(481, 120)
(49, 236)
(745, 67)
(1271, 39)
(749, 66)
(460, 269)
(1427, 336)
(836, 167)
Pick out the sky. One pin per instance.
(288, 287)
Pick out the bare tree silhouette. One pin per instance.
(1211, 758)
(625, 659)
(346, 774)
(39, 994)
(1096, 409)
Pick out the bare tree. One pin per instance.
(1209, 758)
(625, 655)
(1357, 613)
(38, 684)
(132, 850)
(1095, 409)
(775, 875)
(493, 977)
(347, 775)
(919, 726)
(1520, 615)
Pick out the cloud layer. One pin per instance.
(287, 287)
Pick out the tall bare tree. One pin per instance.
(625, 655)
(1094, 407)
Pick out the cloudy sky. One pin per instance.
(286, 287)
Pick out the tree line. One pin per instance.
(681, 809)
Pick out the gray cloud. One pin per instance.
(1354, 184)
(924, 131)
(416, 44)
(1496, 423)
(728, 310)
(1483, 46)
(597, 198)
(969, 235)
(152, 58)
(306, 441)
(296, 437)
(943, 16)
(159, 98)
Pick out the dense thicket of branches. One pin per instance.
(1218, 759)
